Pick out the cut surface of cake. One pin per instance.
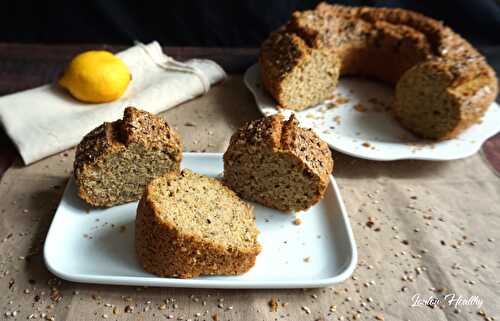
(190, 224)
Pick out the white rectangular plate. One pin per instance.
(91, 245)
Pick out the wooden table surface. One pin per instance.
(24, 66)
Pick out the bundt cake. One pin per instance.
(442, 84)
(278, 164)
(115, 161)
(189, 225)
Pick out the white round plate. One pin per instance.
(356, 122)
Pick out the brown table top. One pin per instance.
(423, 229)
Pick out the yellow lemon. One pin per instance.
(96, 77)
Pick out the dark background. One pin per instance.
(206, 23)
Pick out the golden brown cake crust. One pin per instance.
(365, 38)
(163, 250)
(311, 156)
(137, 127)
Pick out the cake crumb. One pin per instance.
(273, 304)
(297, 221)
(366, 144)
(360, 108)
(307, 259)
(342, 100)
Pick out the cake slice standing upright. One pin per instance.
(275, 162)
(115, 161)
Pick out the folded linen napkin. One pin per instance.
(47, 120)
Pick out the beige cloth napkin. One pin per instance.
(47, 120)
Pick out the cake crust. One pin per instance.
(364, 39)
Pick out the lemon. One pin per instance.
(96, 77)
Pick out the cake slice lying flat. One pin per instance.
(115, 161)
(189, 225)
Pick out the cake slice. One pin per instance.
(115, 161)
(296, 75)
(189, 225)
(278, 164)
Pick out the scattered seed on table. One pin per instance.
(306, 309)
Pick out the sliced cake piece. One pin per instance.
(296, 75)
(189, 225)
(115, 161)
(278, 164)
